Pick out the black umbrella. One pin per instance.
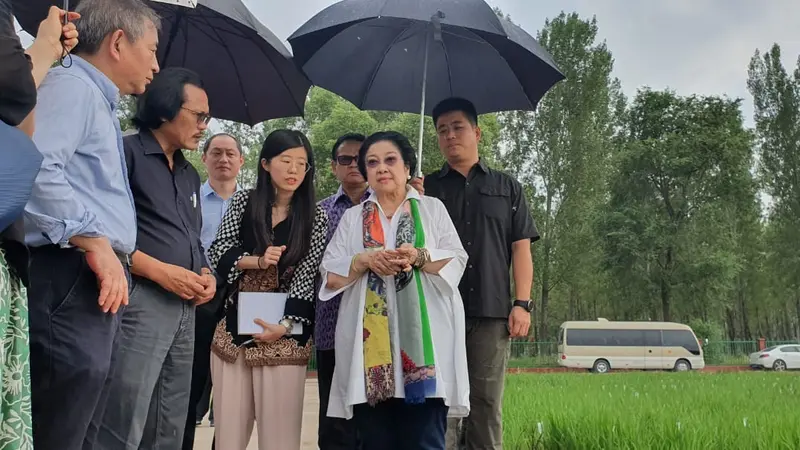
(248, 72)
(378, 54)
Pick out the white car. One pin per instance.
(779, 357)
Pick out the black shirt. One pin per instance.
(168, 215)
(17, 87)
(490, 213)
(17, 100)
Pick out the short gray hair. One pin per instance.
(99, 18)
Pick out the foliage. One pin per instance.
(561, 153)
(661, 207)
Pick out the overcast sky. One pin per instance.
(700, 46)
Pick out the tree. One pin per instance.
(560, 154)
(670, 228)
(776, 100)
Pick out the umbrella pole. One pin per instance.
(422, 108)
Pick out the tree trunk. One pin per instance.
(572, 303)
(797, 307)
(731, 323)
(745, 316)
(665, 286)
(543, 334)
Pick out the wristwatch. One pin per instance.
(288, 324)
(527, 305)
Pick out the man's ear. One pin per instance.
(115, 43)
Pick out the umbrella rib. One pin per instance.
(235, 67)
(380, 61)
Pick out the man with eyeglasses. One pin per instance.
(335, 433)
(149, 384)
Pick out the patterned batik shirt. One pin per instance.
(327, 312)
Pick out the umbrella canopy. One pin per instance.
(373, 53)
(247, 71)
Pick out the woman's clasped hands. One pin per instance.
(390, 262)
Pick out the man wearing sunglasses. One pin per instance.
(335, 433)
(149, 384)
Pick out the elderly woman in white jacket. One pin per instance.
(401, 364)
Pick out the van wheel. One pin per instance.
(682, 365)
(601, 366)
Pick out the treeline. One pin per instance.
(657, 207)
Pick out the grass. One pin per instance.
(652, 411)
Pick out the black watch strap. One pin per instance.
(526, 304)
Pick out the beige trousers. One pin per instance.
(271, 396)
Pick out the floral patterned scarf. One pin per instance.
(416, 345)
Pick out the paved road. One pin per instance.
(205, 434)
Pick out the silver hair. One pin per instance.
(99, 18)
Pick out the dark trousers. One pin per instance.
(71, 341)
(205, 323)
(151, 373)
(396, 425)
(204, 405)
(334, 433)
(487, 355)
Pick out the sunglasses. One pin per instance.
(345, 160)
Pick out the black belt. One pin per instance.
(125, 258)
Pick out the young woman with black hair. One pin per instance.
(270, 240)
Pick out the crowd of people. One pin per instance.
(120, 281)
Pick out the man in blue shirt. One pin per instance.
(222, 156)
(80, 220)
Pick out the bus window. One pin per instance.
(681, 338)
(605, 338)
(561, 336)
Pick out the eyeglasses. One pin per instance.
(345, 160)
(287, 164)
(202, 117)
(389, 161)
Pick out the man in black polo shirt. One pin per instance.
(148, 388)
(491, 215)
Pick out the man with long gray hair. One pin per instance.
(80, 220)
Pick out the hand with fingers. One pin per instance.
(111, 278)
(406, 255)
(56, 36)
(418, 184)
(385, 264)
(271, 257)
(209, 282)
(272, 332)
(519, 322)
(182, 282)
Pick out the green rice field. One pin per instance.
(653, 411)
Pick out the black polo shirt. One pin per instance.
(168, 214)
(489, 211)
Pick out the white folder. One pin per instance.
(267, 306)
